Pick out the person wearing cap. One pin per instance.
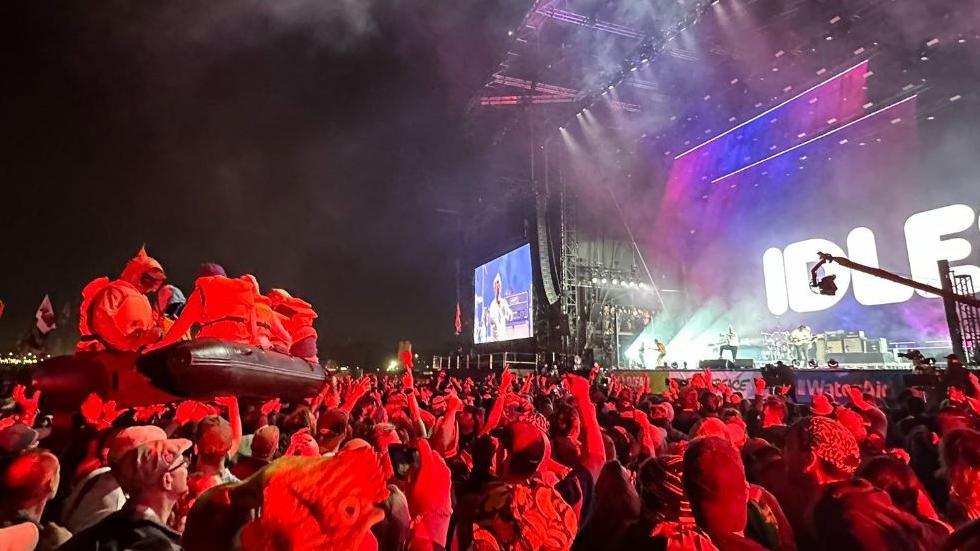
(154, 475)
(265, 442)
(27, 483)
(169, 303)
(98, 494)
(331, 430)
(17, 439)
(215, 442)
(117, 315)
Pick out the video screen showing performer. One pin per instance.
(503, 298)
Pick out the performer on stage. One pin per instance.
(661, 352)
(801, 338)
(499, 312)
(730, 343)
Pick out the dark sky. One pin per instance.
(306, 142)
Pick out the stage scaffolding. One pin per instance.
(969, 318)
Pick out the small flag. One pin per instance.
(45, 316)
(459, 321)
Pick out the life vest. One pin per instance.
(299, 316)
(128, 309)
(89, 293)
(228, 309)
(265, 319)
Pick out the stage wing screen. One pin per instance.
(503, 308)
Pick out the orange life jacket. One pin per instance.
(299, 316)
(265, 319)
(228, 309)
(113, 315)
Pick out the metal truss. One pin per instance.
(589, 23)
(550, 93)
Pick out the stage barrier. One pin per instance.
(880, 383)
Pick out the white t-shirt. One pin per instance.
(102, 497)
(499, 313)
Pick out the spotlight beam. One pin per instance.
(766, 112)
(813, 139)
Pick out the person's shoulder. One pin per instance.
(120, 531)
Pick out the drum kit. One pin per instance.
(777, 345)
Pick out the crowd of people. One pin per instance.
(500, 461)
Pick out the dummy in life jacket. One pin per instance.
(116, 315)
(221, 307)
(269, 331)
(299, 316)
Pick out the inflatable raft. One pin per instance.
(198, 369)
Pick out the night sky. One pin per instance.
(305, 142)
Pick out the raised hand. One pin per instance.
(453, 403)
(506, 380)
(192, 411)
(408, 378)
(527, 384)
(356, 391)
(28, 406)
(272, 406)
(110, 413)
(227, 402)
(146, 413)
(577, 386)
(91, 409)
(100, 414)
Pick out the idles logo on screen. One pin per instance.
(787, 271)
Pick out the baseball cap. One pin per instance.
(265, 442)
(130, 437)
(821, 405)
(333, 421)
(17, 438)
(143, 466)
(213, 436)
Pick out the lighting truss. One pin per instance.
(587, 22)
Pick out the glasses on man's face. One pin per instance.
(182, 463)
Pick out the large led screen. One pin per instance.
(503, 298)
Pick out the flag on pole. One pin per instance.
(45, 316)
(459, 321)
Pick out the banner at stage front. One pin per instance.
(635, 379)
(880, 383)
(739, 381)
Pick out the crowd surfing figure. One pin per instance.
(118, 315)
(498, 462)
